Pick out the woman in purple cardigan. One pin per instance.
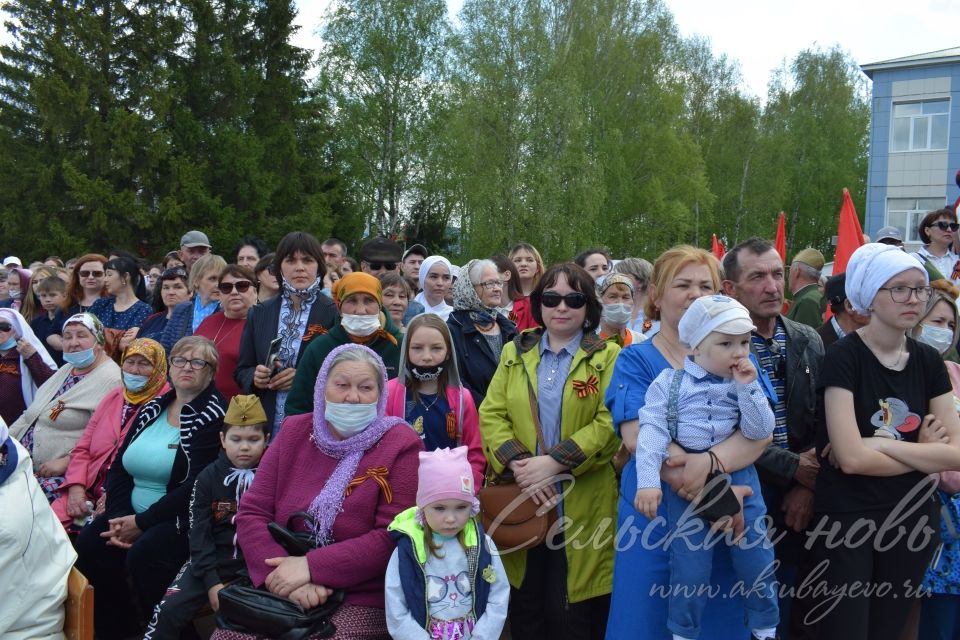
(352, 468)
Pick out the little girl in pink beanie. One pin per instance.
(445, 579)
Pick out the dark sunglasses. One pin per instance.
(376, 266)
(572, 300)
(242, 286)
(91, 274)
(5, 326)
(943, 225)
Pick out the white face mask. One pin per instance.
(939, 338)
(360, 326)
(349, 419)
(617, 314)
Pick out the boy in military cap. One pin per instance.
(215, 558)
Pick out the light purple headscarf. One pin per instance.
(329, 502)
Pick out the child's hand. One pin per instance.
(214, 597)
(647, 501)
(743, 371)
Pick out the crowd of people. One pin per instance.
(315, 432)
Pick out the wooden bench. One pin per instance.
(78, 624)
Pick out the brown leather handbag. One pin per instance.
(510, 516)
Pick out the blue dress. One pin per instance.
(121, 320)
(641, 570)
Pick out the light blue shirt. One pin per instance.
(551, 377)
(709, 410)
(201, 312)
(149, 461)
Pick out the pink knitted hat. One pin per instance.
(444, 474)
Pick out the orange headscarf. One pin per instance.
(359, 282)
(152, 351)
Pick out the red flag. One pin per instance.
(849, 234)
(717, 248)
(781, 241)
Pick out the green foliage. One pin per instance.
(565, 124)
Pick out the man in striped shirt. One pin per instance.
(791, 353)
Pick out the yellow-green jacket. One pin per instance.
(587, 445)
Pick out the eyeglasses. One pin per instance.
(91, 274)
(181, 363)
(553, 299)
(377, 266)
(242, 286)
(943, 225)
(492, 284)
(5, 326)
(902, 294)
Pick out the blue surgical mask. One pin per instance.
(939, 338)
(8, 344)
(327, 291)
(80, 359)
(350, 419)
(134, 382)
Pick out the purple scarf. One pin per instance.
(329, 502)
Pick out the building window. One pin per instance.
(906, 214)
(920, 126)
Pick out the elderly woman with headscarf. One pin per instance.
(436, 277)
(359, 298)
(24, 365)
(478, 332)
(890, 422)
(616, 295)
(18, 283)
(142, 536)
(53, 423)
(364, 464)
(144, 376)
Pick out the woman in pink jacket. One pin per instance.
(428, 395)
(144, 370)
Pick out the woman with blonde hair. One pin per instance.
(530, 268)
(204, 277)
(680, 276)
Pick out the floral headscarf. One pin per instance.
(154, 352)
(465, 298)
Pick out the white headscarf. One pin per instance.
(22, 330)
(4, 432)
(443, 309)
(870, 267)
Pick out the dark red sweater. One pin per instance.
(11, 388)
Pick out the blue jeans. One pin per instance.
(690, 563)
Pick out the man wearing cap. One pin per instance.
(791, 353)
(379, 256)
(193, 246)
(334, 251)
(12, 261)
(808, 304)
(844, 319)
(891, 236)
(413, 257)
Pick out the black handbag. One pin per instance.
(247, 609)
(296, 543)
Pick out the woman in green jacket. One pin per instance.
(560, 589)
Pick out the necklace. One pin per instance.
(901, 351)
(671, 352)
(427, 407)
(227, 335)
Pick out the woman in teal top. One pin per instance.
(143, 536)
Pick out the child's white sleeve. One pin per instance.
(756, 417)
(490, 624)
(400, 623)
(654, 436)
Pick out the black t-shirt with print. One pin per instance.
(895, 401)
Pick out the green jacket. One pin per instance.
(808, 306)
(587, 445)
(300, 398)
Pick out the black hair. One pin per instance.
(297, 242)
(580, 281)
(581, 258)
(265, 264)
(513, 284)
(731, 261)
(932, 217)
(249, 241)
(128, 267)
